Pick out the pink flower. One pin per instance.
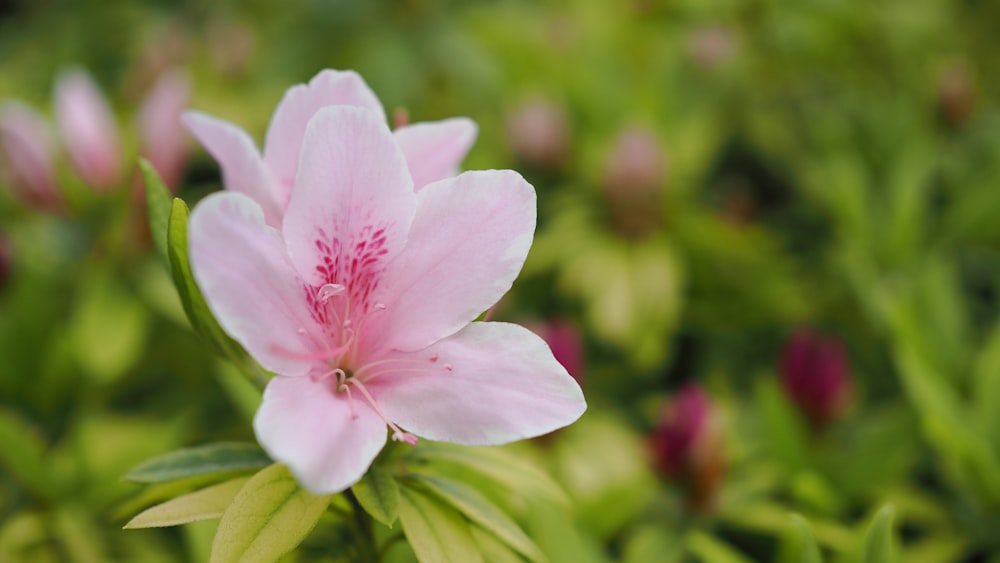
(88, 129)
(26, 144)
(432, 150)
(362, 298)
(162, 137)
(816, 376)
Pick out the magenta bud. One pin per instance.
(163, 137)
(26, 145)
(687, 445)
(88, 129)
(563, 338)
(538, 133)
(635, 175)
(816, 376)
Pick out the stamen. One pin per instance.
(397, 434)
(368, 367)
(329, 290)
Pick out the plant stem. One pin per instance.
(362, 526)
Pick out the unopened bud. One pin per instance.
(538, 133)
(710, 46)
(164, 139)
(956, 94)
(88, 129)
(564, 339)
(688, 445)
(816, 376)
(26, 146)
(635, 175)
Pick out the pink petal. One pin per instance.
(288, 125)
(326, 439)
(435, 149)
(240, 265)
(164, 141)
(27, 150)
(504, 385)
(352, 205)
(88, 128)
(242, 168)
(468, 242)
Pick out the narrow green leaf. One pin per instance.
(158, 208)
(480, 510)
(379, 495)
(269, 517)
(710, 548)
(784, 430)
(194, 303)
(200, 460)
(510, 471)
(436, 532)
(879, 541)
(493, 550)
(799, 544)
(654, 542)
(204, 504)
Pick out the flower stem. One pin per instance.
(361, 524)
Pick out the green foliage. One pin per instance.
(436, 531)
(200, 460)
(205, 504)
(158, 207)
(378, 494)
(269, 517)
(880, 539)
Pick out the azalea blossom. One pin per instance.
(432, 150)
(362, 300)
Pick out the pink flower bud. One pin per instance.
(538, 133)
(687, 445)
(815, 376)
(26, 144)
(88, 129)
(162, 135)
(634, 177)
(710, 46)
(956, 94)
(564, 340)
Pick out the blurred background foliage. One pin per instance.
(767, 247)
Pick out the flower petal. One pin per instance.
(434, 149)
(240, 265)
(327, 439)
(288, 125)
(352, 205)
(468, 242)
(88, 128)
(242, 168)
(503, 385)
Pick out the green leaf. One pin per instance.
(799, 544)
(194, 303)
(710, 548)
(783, 428)
(200, 460)
(158, 208)
(109, 327)
(499, 464)
(23, 454)
(879, 541)
(205, 504)
(493, 550)
(379, 495)
(480, 510)
(436, 532)
(269, 517)
(654, 542)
